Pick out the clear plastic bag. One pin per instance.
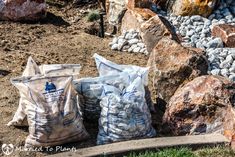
(106, 67)
(91, 90)
(125, 114)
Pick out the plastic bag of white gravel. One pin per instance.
(32, 69)
(53, 110)
(125, 114)
(106, 67)
(91, 90)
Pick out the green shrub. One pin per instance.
(93, 16)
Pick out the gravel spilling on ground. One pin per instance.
(129, 41)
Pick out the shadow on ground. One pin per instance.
(55, 20)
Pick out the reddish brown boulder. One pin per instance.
(133, 18)
(193, 7)
(202, 106)
(172, 65)
(226, 32)
(139, 4)
(154, 30)
(18, 10)
(229, 125)
(189, 7)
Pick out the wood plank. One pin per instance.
(152, 143)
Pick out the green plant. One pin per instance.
(215, 152)
(181, 152)
(93, 16)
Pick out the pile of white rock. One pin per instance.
(196, 32)
(129, 41)
(222, 61)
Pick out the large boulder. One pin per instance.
(139, 4)
(154, 30)
(115, 10)
(130, 13)
(203, 105)
(226, 32)
(133, 18)
(173, 65)
(22, 10)
(229, 125)
(189, 7)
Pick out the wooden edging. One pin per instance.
(153, 143)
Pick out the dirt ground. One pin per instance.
(60, 38)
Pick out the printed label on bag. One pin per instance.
(52, 94)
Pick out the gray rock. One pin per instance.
(221, 22)
(196, 18)
(146, 52)
(214, 21)
(199, 45)
(229, 59)
(232, 77)
(115, 40)
(121, 40)
(225, 64)
(223, 54)
(212, 58)
(212, 16)
(121, 44)
(142, 50)
(141, 45)
(226, 12)
(215, 72)
(129, 36)
(194, 38)
(188, 22)
(114, 47)
(126, 47)
(136, 50)
(183, 32)
(199, 28)
(225, 72)
(229, 17)
(215, 43)
(175, 23)
(207, 23)
(132, 47)
(206, 31)
(133, 41)
(232, 69)
(190, 33)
